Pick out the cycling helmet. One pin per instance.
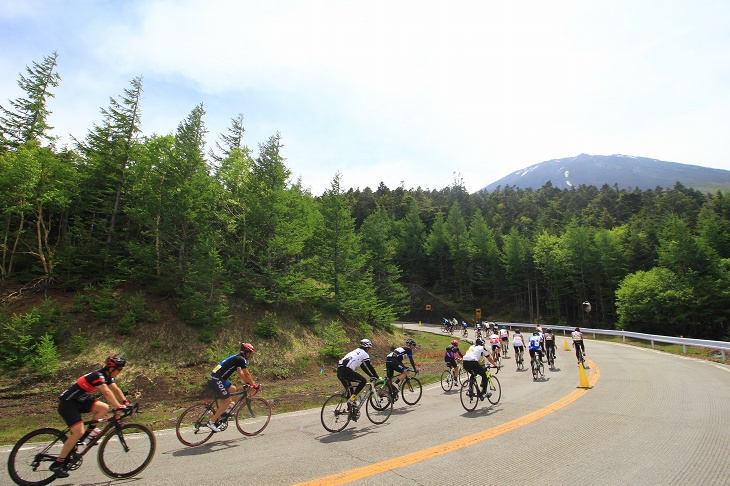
(549, 330)
(479, 342)
(246, 347)
(365, 343)
(455, 342)
(115, 361)
(411, 343)
(535, 333)
(504, 327)
(577, 329)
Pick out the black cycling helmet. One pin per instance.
(577, 329)
(535, 333)
(479, 342)
(411, 343)
(549, 330)
(115, 361)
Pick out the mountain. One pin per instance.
(625, 171)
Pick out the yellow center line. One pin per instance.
(414, 457)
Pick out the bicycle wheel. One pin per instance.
(468, 395)
(533, 366)
(191, 428)
(378, 408)
(499, 364)
(411, 391)
(463, 376)
(447, 380)
(126, 452)
(540, 370)
(335, 415)
(29, 460)
(253, 416)
(495, 388)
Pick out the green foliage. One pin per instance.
(365, 329)
(267, 327)
(335, 340)
(311, 316)
(78, 342)
(45, 356)
(103, 303)
(16, 343)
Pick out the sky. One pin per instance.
(408, 93)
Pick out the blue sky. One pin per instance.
(412, 93)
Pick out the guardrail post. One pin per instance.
(623, 339)
(652, 345)
(723, 355)
(684, 348)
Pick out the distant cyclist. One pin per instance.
(472, 363)
(394, 362)
(535, 346)
(578, 342)
(452, 351)
(348, 364)
(518, 343)
(77, 399)
(504, 336)
(479, 329)
(549, 340)
(495, 344)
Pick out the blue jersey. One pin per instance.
(534, 343)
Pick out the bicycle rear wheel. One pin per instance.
(447, 380)
(463, 375)
(411, 391)
(533, 366)
(192, 426)
(495, 388)
(29, 460)
(335, 415)
(378, 408)
(468, 395)
(253, 416)
(125, 453)
(540, 370)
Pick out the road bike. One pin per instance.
(505, 345)
(538, 369)
(465, 332)
(453, 376)
(251, 414)
(580, 354)
(410, 389)
(520, 360)
(338, 410)
(497, 357)
(470, 391)
(125, 449)
(479, 334)
(551, 357)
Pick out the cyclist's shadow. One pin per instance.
(482, 411)
(105, 483)
(207, 448)
(349, 434)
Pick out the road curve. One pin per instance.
(650, 419)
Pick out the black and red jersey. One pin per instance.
(86, 384)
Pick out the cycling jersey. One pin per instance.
(534, 342)
(475, 353)
(451, 352)
(494, 341)
(355, 358)
(226, 367)
(549, 339)
(82, 388)
(504, 334)
(398, 354)
(577, 335)
(517, 340)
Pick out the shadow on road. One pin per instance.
(349, 434)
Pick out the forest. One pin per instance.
(208, 226)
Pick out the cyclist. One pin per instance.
(535, 346)
(549, 341)
(77, 399)
(348, 364)
(495, 344)
(452, 350)
(479, 330)
(504, 336)
(519, 344)
(394, 362)
(454, 323)
(222, 387)
(578, 342)
(464, 326)
(471, 362)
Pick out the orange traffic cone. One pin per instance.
(567, 348)
(583, 377)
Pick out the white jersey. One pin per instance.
(475, 353)
(504, 333)
(577, 335)
(355, 358)
(517, 340)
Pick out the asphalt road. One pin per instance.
(650, 419)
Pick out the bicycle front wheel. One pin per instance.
(447, 381)
(469, 398)
(253, 416)
(411, 391)
(378, 408)
(192, 426)
(335, 415)
(463, 376)
(126, 452)
(29, 460)
(495, 389)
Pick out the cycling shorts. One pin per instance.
(392, 366)
(450, 362)
(533, 351)
(219, 387)
(71, 410)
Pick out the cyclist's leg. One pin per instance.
(221, 390)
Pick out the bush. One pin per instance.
(267, 327)
(103, 305)
(365, 330)
(45, 356)
(78, 342)
(335, 340)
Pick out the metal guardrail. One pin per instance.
(722, 346)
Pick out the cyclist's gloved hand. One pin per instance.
(256, 386)
(126, 403)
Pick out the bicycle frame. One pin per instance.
(113, 422)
